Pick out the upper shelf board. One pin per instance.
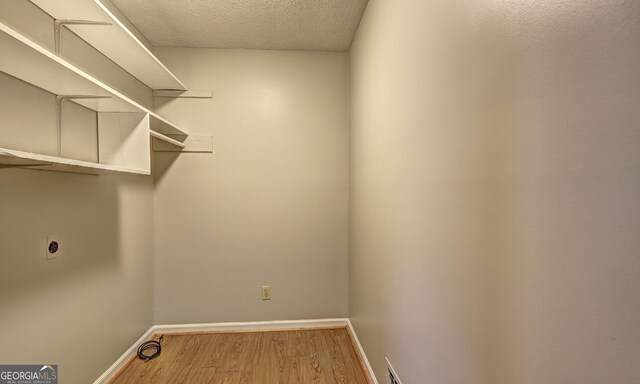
(115, 41)
(28, 61)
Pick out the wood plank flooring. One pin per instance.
(317, 356)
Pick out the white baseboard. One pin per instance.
(230, 327)
(124, 359)
(251, 326)
(393, 371)
(363, 355)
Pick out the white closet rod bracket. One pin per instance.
(59, 101)
(58, 24)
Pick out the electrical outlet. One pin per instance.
(53, 248)
(266, 292)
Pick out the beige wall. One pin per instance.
(495, 176)
(493, 227)
(270, 206)
(83, 310)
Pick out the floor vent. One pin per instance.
(391, 374)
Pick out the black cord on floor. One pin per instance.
(148, 345)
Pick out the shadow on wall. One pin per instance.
(53, 310)
(161, 163)
(43, 301)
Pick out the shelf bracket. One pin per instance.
(59, 101)
(58, 24)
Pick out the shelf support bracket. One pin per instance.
(58, 24)
(59, 101)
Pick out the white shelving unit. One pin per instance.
(34, 64)
(124, 128)
(115, 41)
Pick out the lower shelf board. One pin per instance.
(177, 143)
(10, 158)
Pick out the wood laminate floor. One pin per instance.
(276, 357)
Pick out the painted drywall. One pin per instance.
(269, 207)
(84, 309)
(495, 177)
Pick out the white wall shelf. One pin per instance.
(28, 61)
(167, 139)
(190, 144)
(116, 41)
(164, 126)
(124, 127)
(122, 146)
(13, 158)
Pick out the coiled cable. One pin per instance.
(149, 345)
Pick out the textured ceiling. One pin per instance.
(326, 25)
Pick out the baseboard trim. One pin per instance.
(395, 375)
(253, 326)
(367, 367)
(123, 360)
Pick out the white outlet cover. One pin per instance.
(58, 253)
(266, 292)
